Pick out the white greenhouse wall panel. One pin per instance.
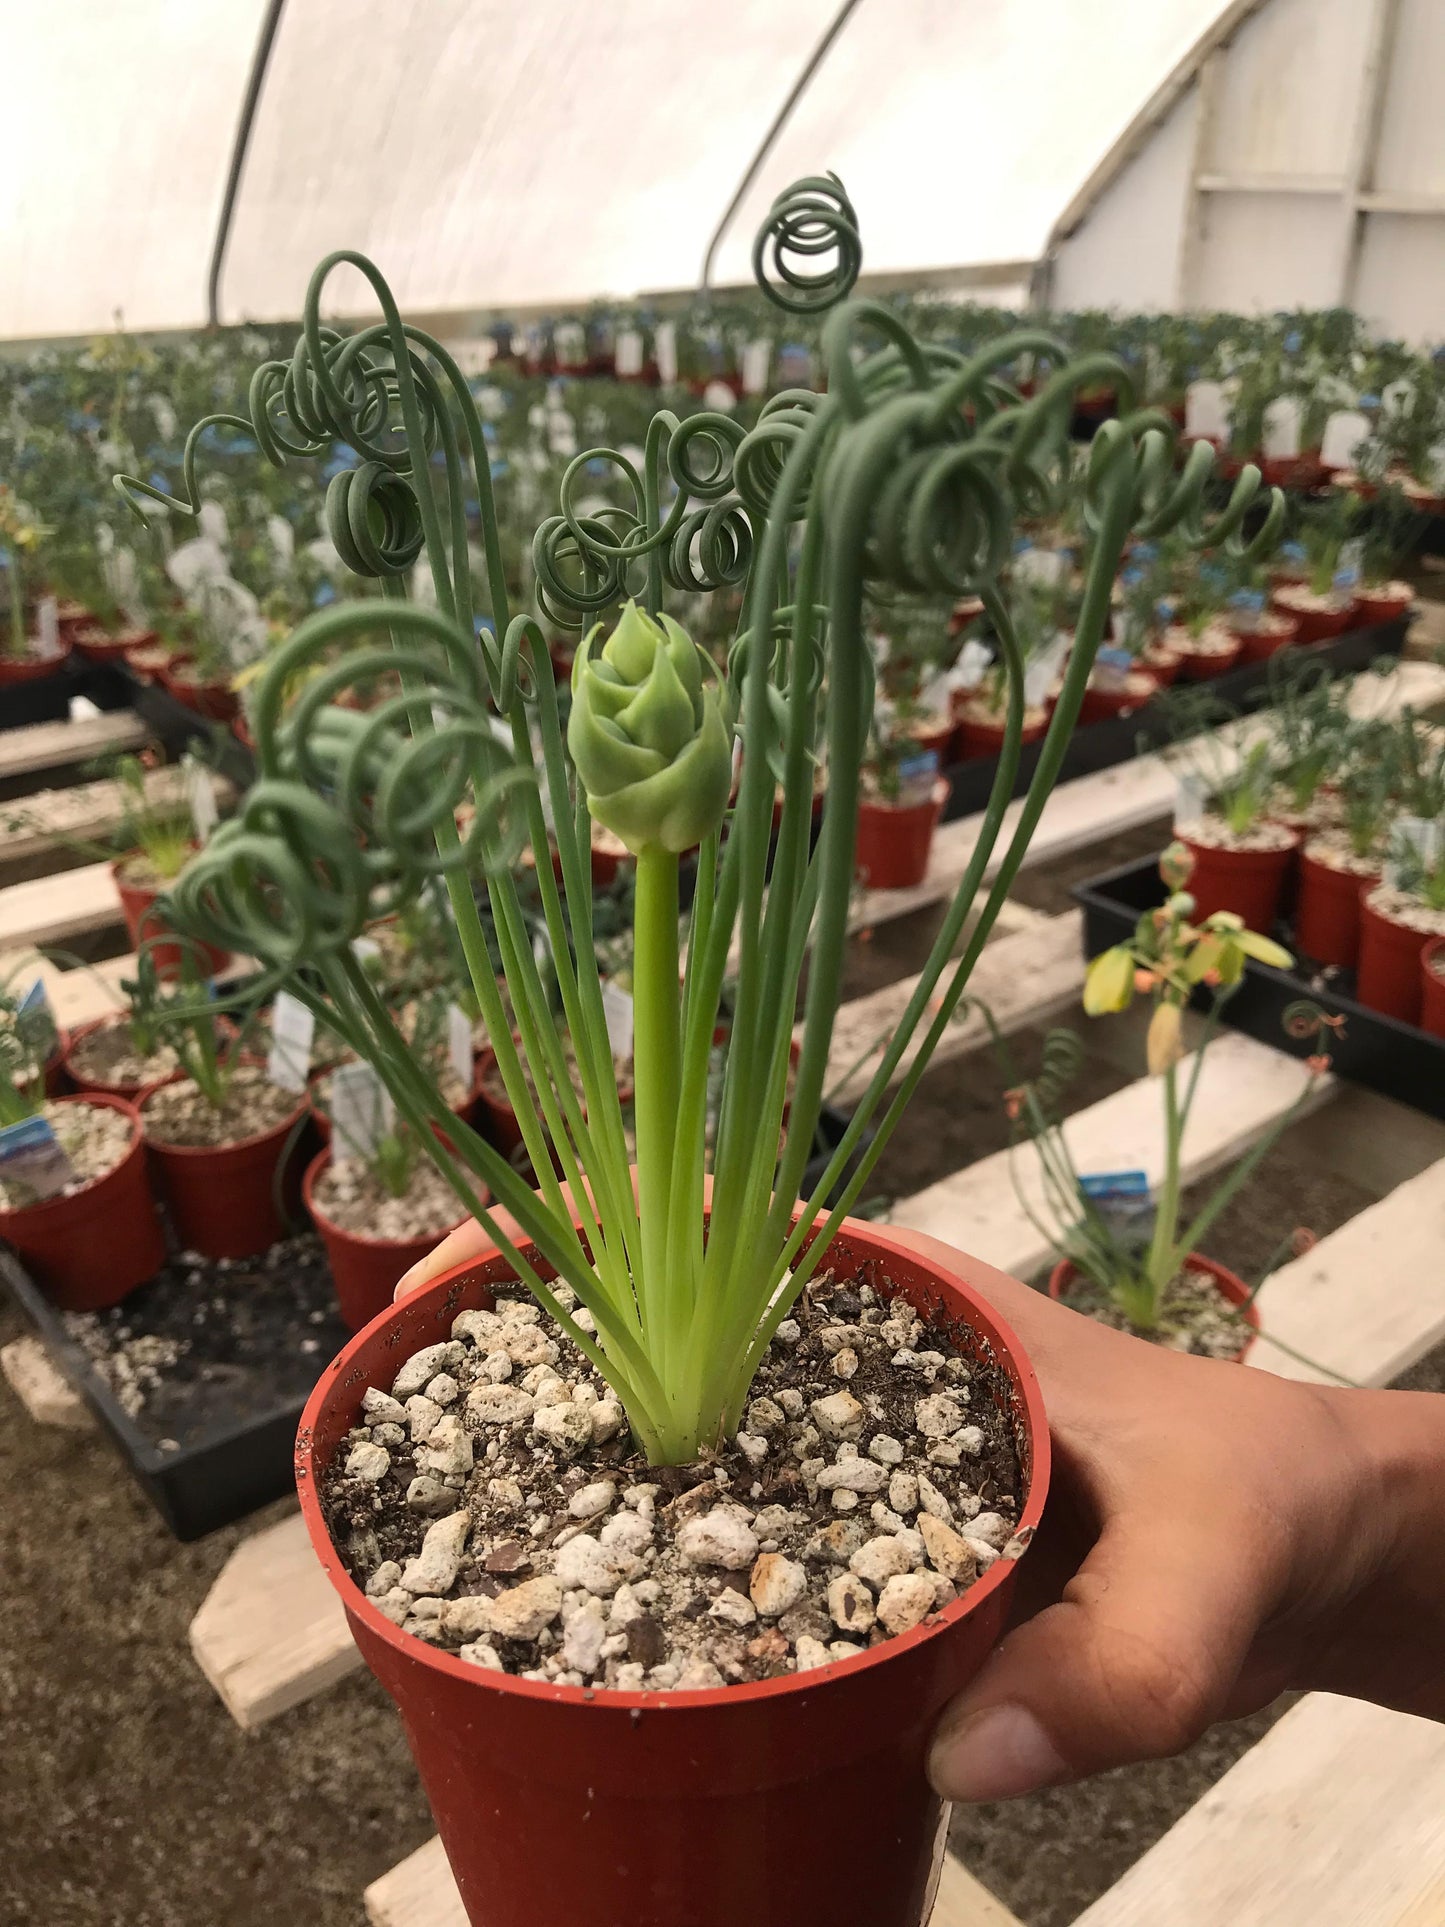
(1128, 254)
(1317, 175)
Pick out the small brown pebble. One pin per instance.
(509, 1556)
(769, 1646)
(646, 1641)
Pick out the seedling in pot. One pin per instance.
(21, 534)
(1310, 723)
(1133, 1263)
(28, 1042)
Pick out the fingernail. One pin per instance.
(421, 1273)
(994, 1755)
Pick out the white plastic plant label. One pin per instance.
(617, 1014)
(459, 1045)
(973, 661)
(282, 538)
(212, 519)
(201, 795)
(1206, 411)
(33, 1160)
(1396, 397)
(664, 348)
(757, 361)
(1344, 432)
(627, 352)
(1188, 800)
(1416, 836)
(719, 397)
(1282, 428)
(1040, 673)
(570, 342)
(293, 1030)
(366, 950)
(361, 1112)
(47, 618)
(1044, 566)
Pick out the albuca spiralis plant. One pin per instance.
(904, 477)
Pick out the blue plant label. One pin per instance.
(1118, 660)
(33, 1160)
(34, 1001)
(917, 775)
(1249, 602)
(1115, 1184)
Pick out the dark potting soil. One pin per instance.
(208, 1346)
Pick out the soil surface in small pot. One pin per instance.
(1400, 907)
(1323, 811)
(110, 1056)
(1214, 639)
(93, 1136)
(349, 1195)
(1194, 1316)
(1331, 848)
(1213, 833)
(181, 1114)
(140, 873)
(211, 1344)
(988, 715)
(492, 1503)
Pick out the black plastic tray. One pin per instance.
(1096, 746)
(224, 1467)
(1396, 1059)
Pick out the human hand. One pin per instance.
(1213, 1536)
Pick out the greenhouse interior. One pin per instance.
(722, 964)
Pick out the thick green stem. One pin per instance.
(1160, 1266)
(657, 1065)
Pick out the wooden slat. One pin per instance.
(1336, 1819)
(45, 822)
(55, 909)
(271, 1631)
(1244, 1088)
(1369, 1300)
(52, 745)
(1024, 979)
(420, 1892)
(42, 1388)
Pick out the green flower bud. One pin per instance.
(650, 734)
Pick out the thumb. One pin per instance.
(1135, 1661)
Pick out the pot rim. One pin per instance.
(103, 1100)
(935, 801)
(309, 1180)
(980, 1313)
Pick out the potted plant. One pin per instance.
(1035, 608)
(162, 836)
(1324, 603)
(1398, 918)
(1141, 617)
(220, 1133)
(200, 672)
(1198, 633)
(1432, 987)
(1125, 1257)
(73, 1179)
(1241, 852)
(1390, 529)
(23, 657)
(380, 1205)
(901, 800)
(1262, 631)
(1338, 863)
(660, 1322)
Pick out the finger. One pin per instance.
(459, 1247)
(1137, 1659)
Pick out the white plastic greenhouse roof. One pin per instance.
(491, 154)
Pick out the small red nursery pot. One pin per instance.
(93, 1248)
(135, 903)
(365, 1270)
(1230, 1288)
(222, 1198)
(894, 840)
(1272, 631)
(797, 1802)
(1390, 968)
(1327, 911)
(87, 1082)
(1248, 882)
(1432, 987)
(1383, 602)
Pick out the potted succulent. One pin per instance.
(24, 657)
(220, 1134)
(1123, 1256)
(199, 672)
(902, 797)
(1198, 634)
(163, 838)
(1035, 609)
(1390, 529)
(1399, 917)
(1339, 862)
(1262, 631)
(627, 1341)
(1241, 852)
(1324, 603)
(73, 1179)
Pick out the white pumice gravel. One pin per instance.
(492, 1503)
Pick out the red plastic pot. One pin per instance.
(1199, 667)
(99, 645)
(976, 740)
(1249, 882)
(211, 697)
(1315, 625)
(93, 1248)
(1275, 631)
(1386, 602)
(1389, 971)
(1100, 705)
(894, 840)
(88, 1085)
(1432, 987)
(136, 900)
(33, 668)
(1327, 911)
(499, 1121)
(1162, 663)
(702, 1809)
(1230, 1287)
(365, 1270)
(222, 1198)
(147, 660)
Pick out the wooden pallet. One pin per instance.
(41, 828)
(44, 746)
(420, 1892)
(55, 909)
